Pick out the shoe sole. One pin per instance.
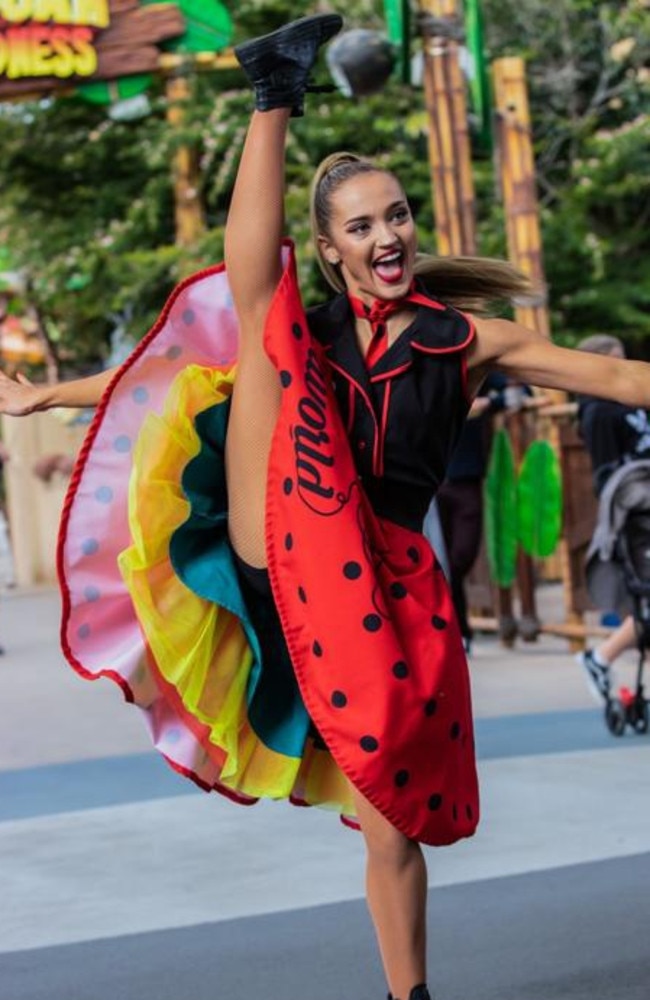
(296, 31)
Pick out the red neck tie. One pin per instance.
(377, 315)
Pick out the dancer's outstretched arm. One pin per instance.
(516, 350)
(19, 396)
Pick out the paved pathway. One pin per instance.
(119, 880)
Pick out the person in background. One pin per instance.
(460, 498)
(613, 434)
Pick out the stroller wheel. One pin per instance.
(642, 716)
(615, 717)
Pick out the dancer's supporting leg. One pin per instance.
(396, 889)
(252, 251)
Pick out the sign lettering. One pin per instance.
(50, 38)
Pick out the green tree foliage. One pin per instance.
(87, 201)
(589, 83)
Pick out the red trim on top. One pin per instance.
(471, 333)
(358, 387)
(391, 373)
(382, 429)
(82, 458)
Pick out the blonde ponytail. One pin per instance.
(472, 283)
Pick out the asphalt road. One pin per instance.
(120, 881)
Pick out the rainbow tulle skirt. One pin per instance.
(353, 674)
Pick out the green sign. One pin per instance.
(398, 17)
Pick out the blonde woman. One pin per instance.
(310, 651)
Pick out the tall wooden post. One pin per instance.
(517, 176)
(188, 209)
(449, 141)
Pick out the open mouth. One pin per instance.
(390, 267)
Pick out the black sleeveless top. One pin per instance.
(403, 416)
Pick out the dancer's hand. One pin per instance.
(18, 396)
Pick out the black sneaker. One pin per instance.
(598, 675)
(278, 64)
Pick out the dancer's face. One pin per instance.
(372, 236)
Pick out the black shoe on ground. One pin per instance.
(278, 64)
(598, 675)
(417, 993)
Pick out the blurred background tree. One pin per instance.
(87, 200)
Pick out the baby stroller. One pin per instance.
(618, 575)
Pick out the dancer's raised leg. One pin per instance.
(252, 249)
(396, 890)
(278, 66)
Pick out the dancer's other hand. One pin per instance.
(19, 396)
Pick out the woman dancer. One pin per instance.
(338, 430)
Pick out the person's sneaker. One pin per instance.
(278, 64)
(597, 674)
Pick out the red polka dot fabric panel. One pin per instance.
(365, 609)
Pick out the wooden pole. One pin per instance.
(449, 142)
(517, 176)
(188, 209)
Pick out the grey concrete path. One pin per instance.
(119, 879)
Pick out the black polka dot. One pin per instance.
(288, 541)
(401, 778)
(339, 699)
(369, 744)
(287, 486)
(454, 732)
(430, 707)
(469, 812)
(398, 590)
(285, 379)
(296, 330)
(372, 623)
(400, 670)
(317, 649)
(302, 595)
(435, 801)
(438, 622)
(413, 554)
(352, 571)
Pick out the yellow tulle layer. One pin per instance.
(201, 654)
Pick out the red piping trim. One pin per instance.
(82, 458)
(449, 350)
(391, 373)
(360, 389)
(382, 430)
